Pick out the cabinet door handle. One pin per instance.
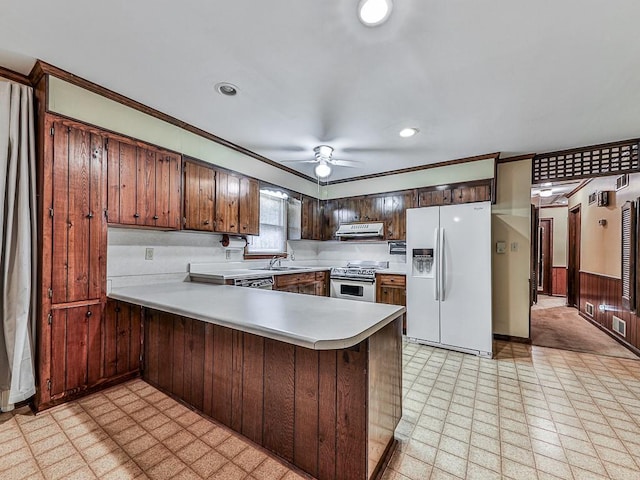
(231, 226)
(136, 215)
(206, 222)
(89, 313)
(155, 217)
(90, 215)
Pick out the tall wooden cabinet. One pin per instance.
(73, 259)
(72, 331)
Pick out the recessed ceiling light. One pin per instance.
(408, 132)
(227, 89)
(374, 12)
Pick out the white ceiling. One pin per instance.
(475, 77)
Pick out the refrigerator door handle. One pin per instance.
(436, 286)
(441, 269)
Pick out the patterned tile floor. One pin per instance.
(130, 431)
(530, 413)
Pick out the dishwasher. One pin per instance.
(265, 283)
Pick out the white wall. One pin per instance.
(80, 104)
(460, 172)
(511, 223)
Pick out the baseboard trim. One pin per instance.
(626, 345)
(509, 338)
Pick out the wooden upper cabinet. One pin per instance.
(476, 191)
(199, 192)
(249, 207)
(143, 186)
(146, 187)
(312, 223)
(168, 191)
(226, 208)
(395, 214)
(78, 227)
(237, 204)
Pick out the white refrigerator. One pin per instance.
(449, 277)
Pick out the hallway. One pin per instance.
(557, 326)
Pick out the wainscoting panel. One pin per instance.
(559, 281)
(605, 294)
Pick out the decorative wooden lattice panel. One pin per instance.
(595, 161)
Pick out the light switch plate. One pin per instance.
(148, 254)
(514, 246)
(501, 247)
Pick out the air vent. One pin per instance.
(622, 181)
(619, 326)
(588, 308)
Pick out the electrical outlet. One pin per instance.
(148, 254)
(501, 247)
(227, 254)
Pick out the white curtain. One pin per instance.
(18, 236)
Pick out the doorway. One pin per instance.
(545, 256)
(573, 260)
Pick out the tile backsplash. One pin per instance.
(172, 253)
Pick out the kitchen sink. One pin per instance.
(284, 269)
(279, 269)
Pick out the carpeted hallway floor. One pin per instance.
(562, 327)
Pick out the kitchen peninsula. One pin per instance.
(316, 380)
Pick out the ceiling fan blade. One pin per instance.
(276, 148)
(299, 161)
(346, 163)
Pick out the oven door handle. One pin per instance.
(353, 280)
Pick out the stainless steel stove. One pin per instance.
(356, 281)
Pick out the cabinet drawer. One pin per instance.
(321, 275)
(294, 278)
(387, 279)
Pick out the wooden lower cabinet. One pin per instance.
(90, 347)
(392, 289)
(332, 413)
(75, 349)
(122, 339)
(308, 283)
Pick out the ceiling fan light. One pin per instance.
(322, 170)
(374, 12)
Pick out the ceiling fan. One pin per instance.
(324, 160)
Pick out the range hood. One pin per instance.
(360, 230)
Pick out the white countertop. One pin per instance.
(319, 323)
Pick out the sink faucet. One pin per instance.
(273, 261)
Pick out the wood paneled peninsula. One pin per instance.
(316, 380)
